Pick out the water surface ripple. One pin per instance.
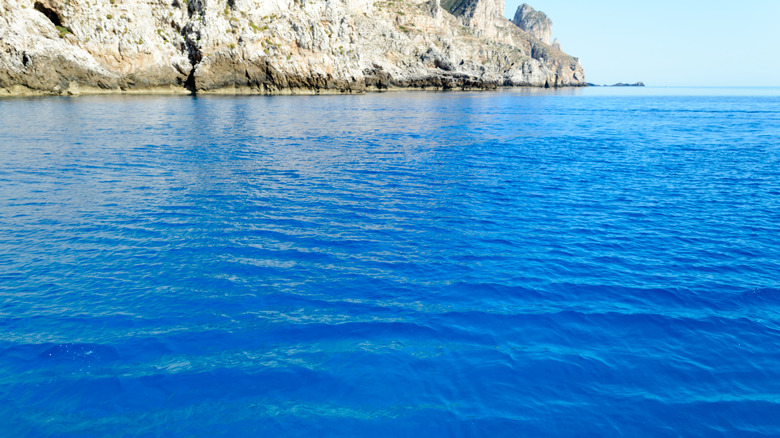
(404, 264)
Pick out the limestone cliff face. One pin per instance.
(267, 46)
(536, 23)
(480, 15)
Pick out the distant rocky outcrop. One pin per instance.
(622, 84)
(269, 47)
(619, 84)
(536, 23)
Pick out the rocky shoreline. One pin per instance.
(70, 47)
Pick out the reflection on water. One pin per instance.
(533, 262)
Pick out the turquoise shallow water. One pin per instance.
(594, 262)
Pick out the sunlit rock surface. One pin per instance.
(536, 23)
(269, 47)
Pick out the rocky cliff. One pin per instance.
(269, 46)
(536, 23)
(479, 15)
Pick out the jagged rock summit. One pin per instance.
(536, 23)
(269, 47)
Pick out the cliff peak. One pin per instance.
(536, 23)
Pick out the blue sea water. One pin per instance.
(576, 263)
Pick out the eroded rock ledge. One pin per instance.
(269, 47)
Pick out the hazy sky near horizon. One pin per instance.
(669, 43)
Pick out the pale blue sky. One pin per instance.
(669, 43)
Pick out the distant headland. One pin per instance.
(619, 84)
(275, 46)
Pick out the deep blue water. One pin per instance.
(589, 263)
